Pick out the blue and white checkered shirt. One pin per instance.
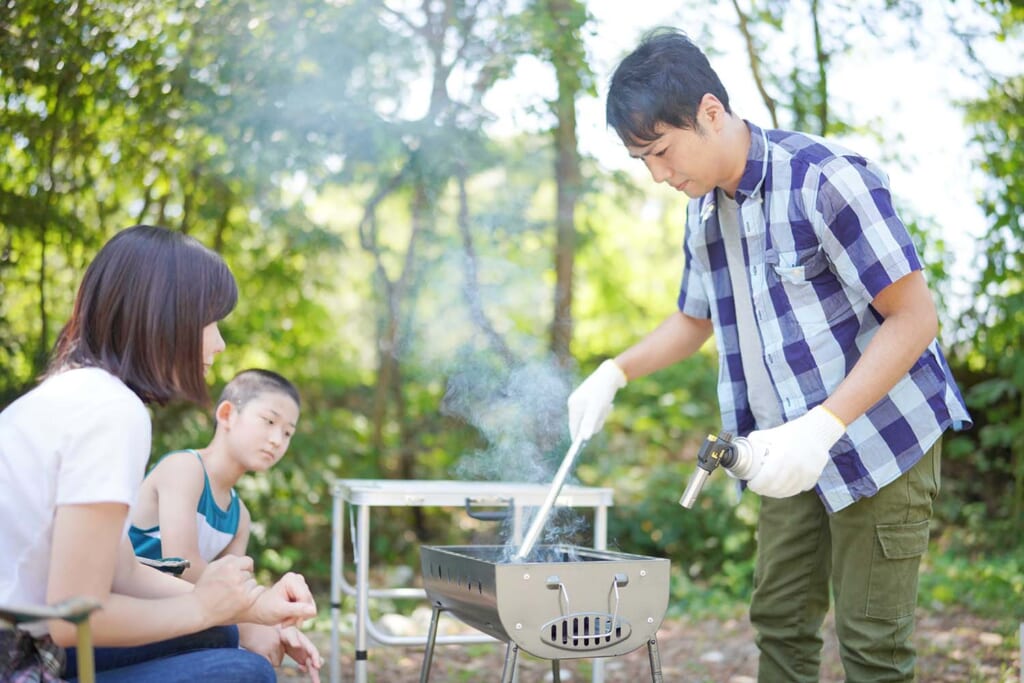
(820, 240)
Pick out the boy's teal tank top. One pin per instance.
(215, 527)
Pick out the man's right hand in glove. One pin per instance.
(590, 404)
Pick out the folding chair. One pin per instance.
(77, 611)
(74, 610)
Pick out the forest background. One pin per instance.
(430, 240)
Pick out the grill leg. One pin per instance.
(428, 655)
(556, 672)
(652, 653)
(511, 652)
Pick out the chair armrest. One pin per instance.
(75, 610)
(175, 566)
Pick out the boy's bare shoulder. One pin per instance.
(181, 468)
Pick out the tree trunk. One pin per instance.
(564, 47)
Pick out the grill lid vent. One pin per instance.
(585, 631)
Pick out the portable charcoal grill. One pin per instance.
(563, 602)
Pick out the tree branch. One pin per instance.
(755, 63)
(471, 290)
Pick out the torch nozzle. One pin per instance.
(693, 488)
(714, 452)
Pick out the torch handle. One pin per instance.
(545, 509)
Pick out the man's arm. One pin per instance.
(677, 338)
(794, 454)
(909, 327)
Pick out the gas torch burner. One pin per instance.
(735, 455)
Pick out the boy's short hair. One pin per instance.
(662, 81)
(249, 384)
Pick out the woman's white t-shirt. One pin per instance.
(82, 436)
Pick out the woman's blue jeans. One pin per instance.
(210, 655)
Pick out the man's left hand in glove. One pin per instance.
(794, 454)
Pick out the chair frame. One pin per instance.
(73, 610)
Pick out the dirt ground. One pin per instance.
(951, 648)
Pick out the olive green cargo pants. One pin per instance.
(871, 551)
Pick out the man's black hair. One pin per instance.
(662, 81)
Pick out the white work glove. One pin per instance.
(794, 454)
(590, 404)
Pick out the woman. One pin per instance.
(72, 456)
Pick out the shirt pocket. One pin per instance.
(798, 267)
(813, 291)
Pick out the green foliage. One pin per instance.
(986, 585)
(989, 360)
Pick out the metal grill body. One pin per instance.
(563, 602)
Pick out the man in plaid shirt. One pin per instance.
(826, 333)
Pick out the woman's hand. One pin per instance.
(288, 602)
(226, 589)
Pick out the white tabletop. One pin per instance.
(444, 493)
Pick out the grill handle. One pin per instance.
(490, 515)
(555, 583)
(619, 580)
(542, 515)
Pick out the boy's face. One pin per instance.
(259, 432)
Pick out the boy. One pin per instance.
(796, 261)
(187, 506)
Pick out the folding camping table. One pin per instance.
(363, 494)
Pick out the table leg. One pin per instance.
(601, 528)
(600, 543)
(337, 538)
(362, 590)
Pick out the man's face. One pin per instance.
(685, 159)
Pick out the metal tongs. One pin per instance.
(545, 510)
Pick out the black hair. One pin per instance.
(661, 82)
(252, 383)
(140, 312)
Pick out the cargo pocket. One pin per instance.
(892, 588)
